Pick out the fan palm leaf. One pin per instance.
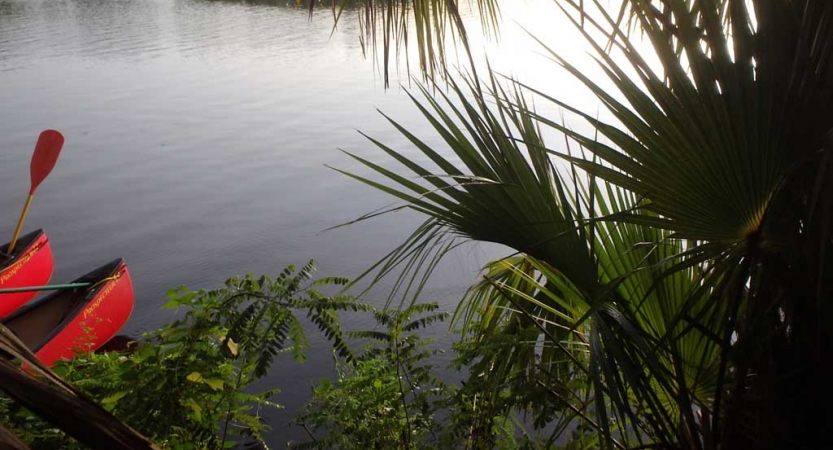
(587, 280)
(691, 259)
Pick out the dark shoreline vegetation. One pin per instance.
(669, 288)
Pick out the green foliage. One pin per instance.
(187, 384)
(387, 397)
(363, 409)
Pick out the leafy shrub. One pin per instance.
(186, 385)
(387, 397)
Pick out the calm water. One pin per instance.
(196, 138)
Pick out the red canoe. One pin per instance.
(31, 265)
(81, 319)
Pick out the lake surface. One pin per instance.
(196, 138)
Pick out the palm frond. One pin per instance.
(434, 28)
(676, 270)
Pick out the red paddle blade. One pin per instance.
(46, 155)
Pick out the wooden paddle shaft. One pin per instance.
(20, 223)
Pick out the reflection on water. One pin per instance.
(129, 29)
